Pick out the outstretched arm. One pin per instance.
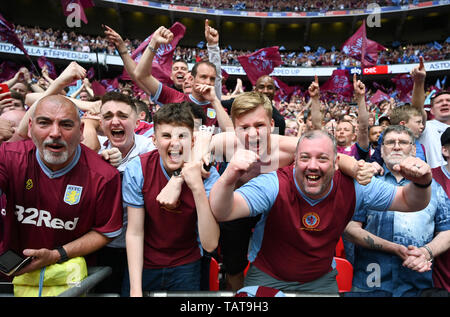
(143, 71)
(212, 43)
(363, 115)
(415, 195)
(225, 203)
(360, 170)
(130, 65)
(419, 74)
(316, 115)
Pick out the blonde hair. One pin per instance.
(249, 101)
(403, 113)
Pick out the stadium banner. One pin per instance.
(288, 15)
(50, 53)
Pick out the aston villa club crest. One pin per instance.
(211, 113)
(73, 194)
(310, 221)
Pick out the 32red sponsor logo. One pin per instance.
(33, 216)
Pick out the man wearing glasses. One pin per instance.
(394, 250)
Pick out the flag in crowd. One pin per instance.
(262, 62)
(404, 85)
(284, 91)
(98, 88)
(378, 97)
(339, 83)
(90, 73)
(8, 34)
(162, 62)
(362, 48)
(44, 62)
(83, 4)
(7, 70)
(201, 44)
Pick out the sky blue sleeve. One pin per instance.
(260, 193)
(132, 183)
(377, 195)
(209, 182)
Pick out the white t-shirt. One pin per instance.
(141, 145)
(431, 140)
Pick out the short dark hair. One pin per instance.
(18, 96)
(194, 69)
(118, 96)
(142, 106)
(180, 60)
(176, 114)
(384, 118)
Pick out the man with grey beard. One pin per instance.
(395, 250)
(63, 199)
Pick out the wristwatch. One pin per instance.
(63, 255)
(177, 172)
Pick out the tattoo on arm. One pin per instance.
(371, 243)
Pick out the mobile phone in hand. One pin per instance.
(3, 88)
(11, 262)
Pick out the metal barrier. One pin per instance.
(225, 294)
(96, 274)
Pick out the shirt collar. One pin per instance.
(388, 174)
(64, 170)
(445, 171)
(200, 103)
(163, 169)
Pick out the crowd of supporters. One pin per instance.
(306, 57)
(289, 5)
(261, 153)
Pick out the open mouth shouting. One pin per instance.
(175, 156)
(445, 110)
(55, 146)
(312, 179)
(253, 145)
(179, 77)
(117, 135)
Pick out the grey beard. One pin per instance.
(55, 159)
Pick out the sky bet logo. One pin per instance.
(32, 216)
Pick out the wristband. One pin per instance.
(123, 52)
(429, 252)
(63, 255)
(151, 49)
(423, 185)
(177, 172)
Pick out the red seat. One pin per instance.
(214, 275)
(345, 274)
(246, 268)
(340, 252)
